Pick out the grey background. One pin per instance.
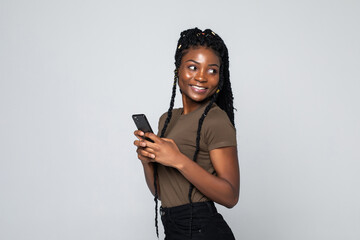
(73, 72)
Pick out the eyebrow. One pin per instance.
(213, 64)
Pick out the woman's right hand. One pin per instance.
(143, 152)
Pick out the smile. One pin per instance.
(198, 89)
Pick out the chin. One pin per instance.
(200, 100)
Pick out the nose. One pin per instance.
(200, 76)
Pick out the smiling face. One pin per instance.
(198, 76)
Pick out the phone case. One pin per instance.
(142, 124)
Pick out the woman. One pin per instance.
(193, 160)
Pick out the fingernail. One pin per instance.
(142, 144)
(152, 156)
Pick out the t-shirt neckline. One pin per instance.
(201, 107)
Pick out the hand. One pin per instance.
(144, 156)
(162, 150)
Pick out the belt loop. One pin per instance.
(162, 211)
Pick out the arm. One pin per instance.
(147, 163)
(223, 188)
(149, 176)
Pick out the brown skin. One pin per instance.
(199, 68)
(198, 80)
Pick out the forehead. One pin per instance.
(201, 53)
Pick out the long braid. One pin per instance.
(201, 120)
(223, 97)
(169, 115)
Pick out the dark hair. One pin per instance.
(223, 97)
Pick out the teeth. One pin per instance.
(200, 88)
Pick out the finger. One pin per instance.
(148, 149)
(152, 136)
(139, 134)
(142, 157)
(139, 143)
(145, 153)
(145, 159)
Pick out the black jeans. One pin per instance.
(206, 223)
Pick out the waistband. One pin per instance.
(198, 207)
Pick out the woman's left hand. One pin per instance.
(163, 150)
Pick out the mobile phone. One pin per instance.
(142, 124)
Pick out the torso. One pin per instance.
(217, 131)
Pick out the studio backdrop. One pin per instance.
(73, 72)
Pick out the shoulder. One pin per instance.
(175, 111)
(218, 130)
(163, 117)
(217, 117)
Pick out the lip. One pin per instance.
(198, 89)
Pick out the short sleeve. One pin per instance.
(218, 130)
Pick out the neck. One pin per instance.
(189, 105)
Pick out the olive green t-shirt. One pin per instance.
(217, 131)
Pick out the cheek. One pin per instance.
(185, 72)
(187, 75)
(216, 82)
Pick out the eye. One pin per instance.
(212, 71)
(192, 67)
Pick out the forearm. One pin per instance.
(149, 176)
(214, 187)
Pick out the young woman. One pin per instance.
(192, 162)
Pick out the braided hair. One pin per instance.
(223, 97)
